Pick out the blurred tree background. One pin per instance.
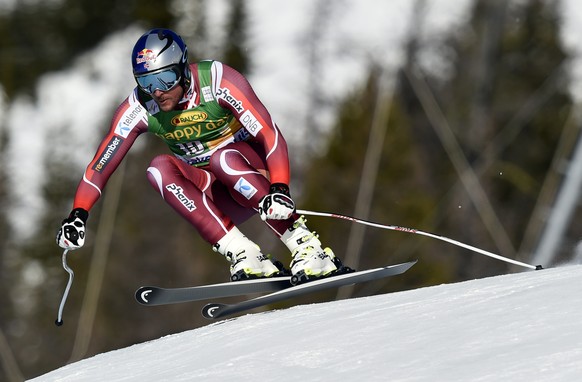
(466, 151)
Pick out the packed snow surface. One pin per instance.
(518, 327)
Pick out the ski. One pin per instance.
(217, 310)
(152, 295)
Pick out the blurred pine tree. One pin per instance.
(38, 37)
(505, 102)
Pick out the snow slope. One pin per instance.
(518, 327)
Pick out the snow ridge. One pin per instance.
(517, 327)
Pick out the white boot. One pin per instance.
(246, 259)
(309, 259)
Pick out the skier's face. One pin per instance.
(168, 100)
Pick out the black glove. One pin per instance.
(277, 204)
(72, 233)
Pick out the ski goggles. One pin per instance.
(163, 80)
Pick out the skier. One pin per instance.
(229, 160)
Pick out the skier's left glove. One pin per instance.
(277, 204)
(72, 233)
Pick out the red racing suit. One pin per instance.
(227, 151)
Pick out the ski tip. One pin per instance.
(410, 264)
(142, 295)
(212, 310)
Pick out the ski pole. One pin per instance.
(418, 232)
(59, 320)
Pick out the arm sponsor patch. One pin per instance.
(251, 123)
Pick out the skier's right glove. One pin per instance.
(72, 233)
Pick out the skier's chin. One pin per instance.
(165, 104)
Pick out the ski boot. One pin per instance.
(245, 257)
(252, 264)
(310, 260)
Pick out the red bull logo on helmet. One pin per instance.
(145, 55)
